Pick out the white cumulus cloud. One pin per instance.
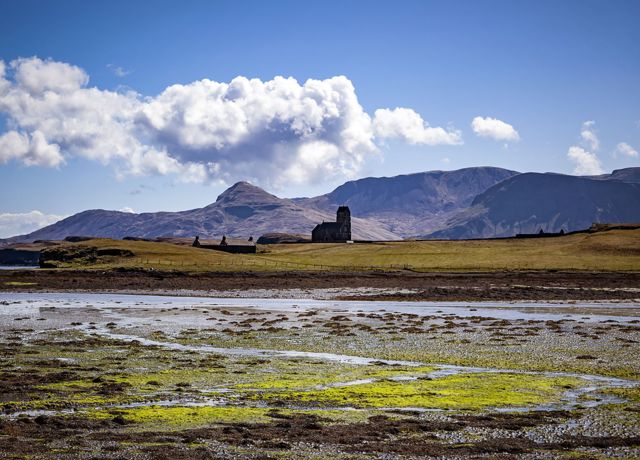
(584, 156)
(626, 150)
(32, 149)
(118, 71)
(21, 223)
(38, 76)
(273, 132)
(587, 163)
(408, 125)
(589, 136)
(494, 128)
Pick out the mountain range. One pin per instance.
(530, 202)
(467, 203)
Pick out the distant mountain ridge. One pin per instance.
(630, 175)
(530, 202)
(242, 210)
(413, 203)
(467, 203)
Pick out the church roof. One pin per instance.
(328, 226)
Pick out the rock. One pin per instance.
(120, 420)
(78, 239)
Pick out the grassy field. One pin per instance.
(613, 250)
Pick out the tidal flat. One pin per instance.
(131, 376)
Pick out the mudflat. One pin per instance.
(391, 285)
(113, 376)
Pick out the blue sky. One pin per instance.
(555, 84)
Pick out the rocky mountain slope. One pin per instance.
(467, 203)
(529, 202)
(243, 210)
(411, 204)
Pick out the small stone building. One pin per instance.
(334, 232)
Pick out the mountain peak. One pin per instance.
(244, 192)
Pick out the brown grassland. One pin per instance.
(613, 250)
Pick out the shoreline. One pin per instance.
(337, 294)
(360, 286)
(279, 372)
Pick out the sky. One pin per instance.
(142, 107)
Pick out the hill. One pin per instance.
(529, 202)
(414, 203)
(243, 210)
(467, 203)
(606, 250)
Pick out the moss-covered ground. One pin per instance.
(463, 392)
(119, 381)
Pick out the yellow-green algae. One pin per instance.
(186, 415)
(274, 374)
(48, 402)
(69, 386)
(410, 347)
(299, 380)
(193, 416)
(167, 377)
(282, 378)
(462, 392)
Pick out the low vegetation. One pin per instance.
(111, 378)
(463, 392)
(612, 250)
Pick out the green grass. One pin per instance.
(187, 416)
(461, 392)
(193, 416)
(613, 250)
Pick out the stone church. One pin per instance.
(334, 232)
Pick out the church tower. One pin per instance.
(343, 219)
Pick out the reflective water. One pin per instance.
(578, 311)
(18, 267)
(136, 314)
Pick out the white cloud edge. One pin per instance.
(587, 163)
(584, 155)
(495, 129)
(278, 131)
(589, 136)
(407, 125)
(12, 224)
(118, 71)
(625, 150)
